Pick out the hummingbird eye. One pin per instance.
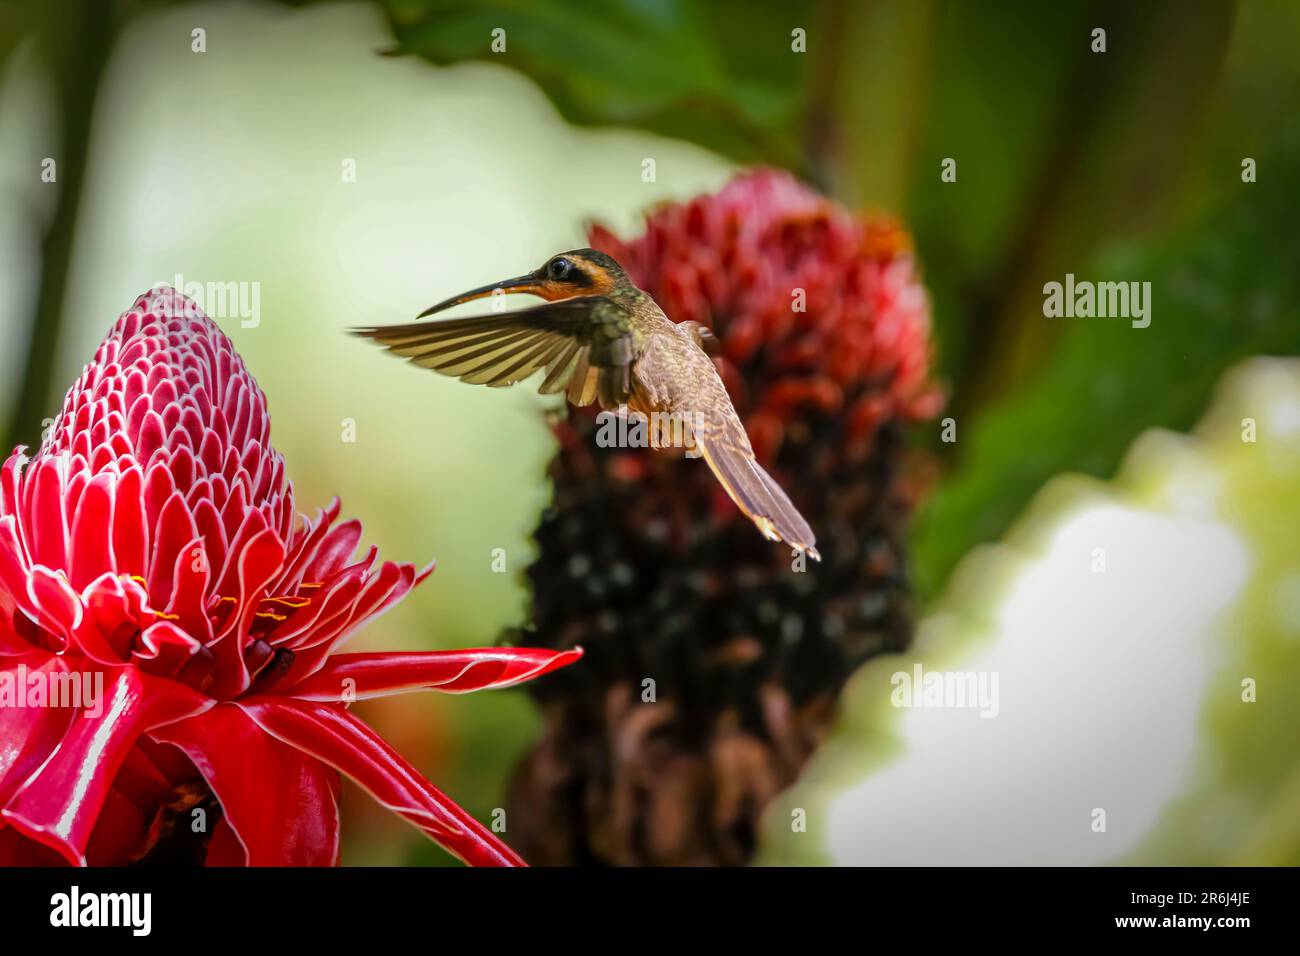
(560, 269)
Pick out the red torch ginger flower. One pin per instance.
(152, 549)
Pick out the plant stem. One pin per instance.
(77, 37)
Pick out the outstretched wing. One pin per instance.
(584, 344)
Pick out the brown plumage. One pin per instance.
(600, 338)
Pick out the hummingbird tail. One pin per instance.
(758, 495)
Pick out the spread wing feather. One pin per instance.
(584, 344)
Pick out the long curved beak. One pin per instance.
(525, 283)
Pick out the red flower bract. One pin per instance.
(168, 628)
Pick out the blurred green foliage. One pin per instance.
(1218, 769)
(1223, 290)
(1245, 810)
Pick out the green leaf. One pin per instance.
(720, 74)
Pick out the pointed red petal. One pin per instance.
(92, 531)
(358, 676)
(329, 733)
(339, 545)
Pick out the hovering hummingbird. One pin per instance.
(600, 338)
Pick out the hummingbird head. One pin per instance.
(578, 272)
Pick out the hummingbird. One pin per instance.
(600, 338)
